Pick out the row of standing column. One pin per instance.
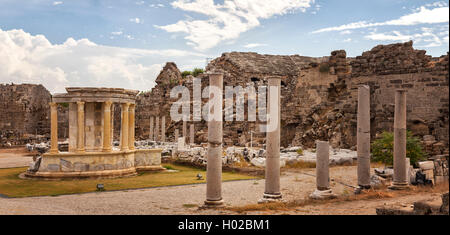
(127, 127)
(154, 130)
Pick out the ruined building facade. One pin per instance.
(319, 95)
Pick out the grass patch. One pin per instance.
(12, 186)
(301, 164)
(190, 205)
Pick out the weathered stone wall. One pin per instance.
(24, 110)
(319, 95)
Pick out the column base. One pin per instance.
(322, 194)
(213, 204)
(55, 151)
(399, 186)
(360, 188)
(267, 198)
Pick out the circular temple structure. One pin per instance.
(91, 125)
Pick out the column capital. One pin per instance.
(53, 104)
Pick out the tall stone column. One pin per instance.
(124, 127)
(152, 120)
(131, 126)
(156, 132)
(191, 134)
(163, 129)
(399, 179)
(54, 127)
(81, 135)
(107, 126)
(363, 136)
(323, 190)
(215, 135)
(272, 176)
(185, 130)
(177, 135)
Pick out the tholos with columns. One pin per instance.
(54, 127)
(399, 179)
(124, 132)
(363, 136)
(81, 136)
(152, 120)
(107, 126)
(191, 134)
(131, 130)
(215, 134)
(272, 175)
(163, 129)
(156, 132)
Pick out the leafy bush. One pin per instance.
(300, 152)
(383, 149)
(186, 73)
(197, 71)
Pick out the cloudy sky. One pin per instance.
(125, 43)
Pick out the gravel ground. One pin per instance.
(10, 160)
(295, 184)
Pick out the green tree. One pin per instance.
(383, 149)
(186, 73)
(197, 71)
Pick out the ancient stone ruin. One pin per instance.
(91, 124)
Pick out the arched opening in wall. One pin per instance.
(283, 83)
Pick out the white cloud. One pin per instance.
(117, 33)
(228, 20)
(422, 16)
(427, 37)
(57, 3)
(345, 32)
(33, 59)
(136, 20)
(253, 45)
(347, 40)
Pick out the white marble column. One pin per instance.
(215, 135)
(363, 137)
(152, 120)
(107, 147)
(399, 179)
(177, 135)
(124, 128)
(192, 134)
(272, 172)
(54, 127)
(81, 135)
(163, 129)
(323, 190)
(156, 132)
(131, 126)
(185, 130)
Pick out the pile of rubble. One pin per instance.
(435, 207)
(257, 157)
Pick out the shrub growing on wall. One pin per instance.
(383, 149)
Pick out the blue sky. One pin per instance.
(125, 43)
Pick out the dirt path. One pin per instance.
(15, 157)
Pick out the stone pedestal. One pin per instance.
(363, 137)
(272, 172)
(215, 134)
(400, 174)
(323, 190)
